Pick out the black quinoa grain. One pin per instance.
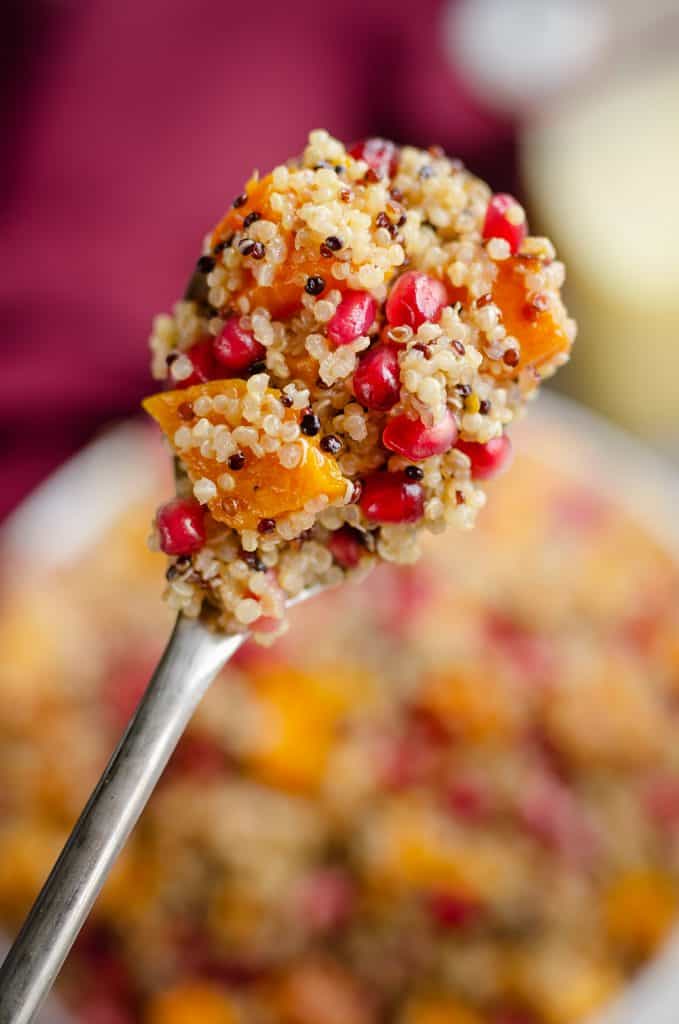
(332, 444)
(414, 472)
(310, 424)
(205, 264)
(258, 251)
(240, 200)
(286, 401)
(251, 218)
(266, 526)
(171, 573)
(339, 169)
(237, 461)
(258, 367)
(382, 220)
(314, 285)
(458, 347)
(333, 242)
(484, 406)
(511, 357)
(253, 561)
(225, 243)
(246, 245)
(173, 356)
(464, 390)
(182, 563)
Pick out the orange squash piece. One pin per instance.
(190, 1002)
(264, 488)
(540, 334)
(439, 1010)
(639, 909)
(283, 296)
(300, 714)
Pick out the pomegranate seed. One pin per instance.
(489, 458)
(392, 498)
(326, 899)
(202, 360)
(550, 813)
(415, 441)
(505, 219)
(468, 800)
(529, 653)
(453, 910)
(377, 383)
(346, 547)
(414, 757)
(102, 1010)
(353, 317)
(236, 349)
(379, 154)
(660, 800)
(200, 757)
(415, 299)
(181, 524)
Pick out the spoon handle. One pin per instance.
(190, 662)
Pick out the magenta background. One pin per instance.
(127, 127)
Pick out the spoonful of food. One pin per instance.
(360, 329)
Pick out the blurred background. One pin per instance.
(476, 824)
(128, 127)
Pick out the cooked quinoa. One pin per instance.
(461, 808)
(361, 329)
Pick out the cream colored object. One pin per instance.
(602, 175)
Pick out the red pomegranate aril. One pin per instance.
(415, 441)
(489, 458)
(468, 800)
(203, 363)
(181, 524)
(377, 382)
(506, 219)
(326, 899)
(392, 498)
(415, 299)
(379, 154)
(353, 317)
(345, 547)
(236, 348)
(453, 910)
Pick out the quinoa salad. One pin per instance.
(462, 809)
(362, 327)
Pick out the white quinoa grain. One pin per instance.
(204, 490)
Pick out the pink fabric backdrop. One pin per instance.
(129, 126)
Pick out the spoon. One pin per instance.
(194, 655)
